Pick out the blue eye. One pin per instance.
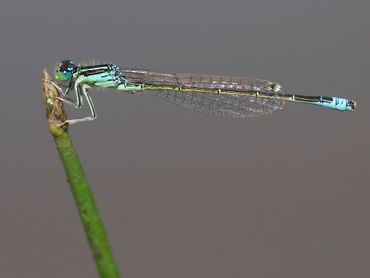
(63, 76)
(65, 70)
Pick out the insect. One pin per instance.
(236, 97)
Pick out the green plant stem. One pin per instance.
(79, 185)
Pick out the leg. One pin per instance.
(78, 102)
(82, 90)
(69, 101)
(59, 89)
(64, 94)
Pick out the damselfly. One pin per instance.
(235, 97)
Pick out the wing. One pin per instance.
(216, 95)
(230, 106)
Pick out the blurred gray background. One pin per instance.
(184, 194)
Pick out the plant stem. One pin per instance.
(79, 185)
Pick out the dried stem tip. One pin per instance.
(55, 112)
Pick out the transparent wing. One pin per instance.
(231, 106)
(198, 92)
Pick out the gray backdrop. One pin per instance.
(184, 194)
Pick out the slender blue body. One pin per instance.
(337, 103)
(236, 97)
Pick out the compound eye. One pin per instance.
(62, 75)
(65, 70)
